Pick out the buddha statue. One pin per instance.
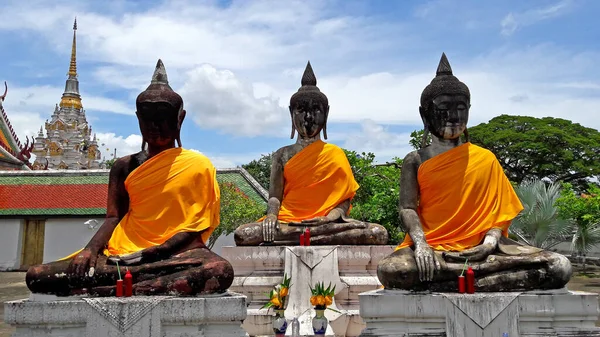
(163, 204)
(456, 205)
(311, 184)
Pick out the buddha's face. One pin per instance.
(448, 116)
(309, 116)
(159, 123)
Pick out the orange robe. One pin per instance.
(463, 194)
(172, 192)
(316, 179)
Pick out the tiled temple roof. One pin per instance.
(82, 192)
(10, 146)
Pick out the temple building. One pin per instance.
(13, 155)
(68, 142)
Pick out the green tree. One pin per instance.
(261, 169)
(541, 148)
(540, 224)
(236, 209)
(584, 211)
(376, 200)
(416, 138)
(109, 163)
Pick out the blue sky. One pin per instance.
(236, 63)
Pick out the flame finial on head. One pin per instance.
(309, 78)
(160, 74)
(444, 66)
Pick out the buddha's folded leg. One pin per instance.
(399, 271)
(355, 233)
(51, 278)
(248, 234)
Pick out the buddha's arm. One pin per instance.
(409, 199)
(275, 186)
(269, 226)
(116, 208)
(426, 260)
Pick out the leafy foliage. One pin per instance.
(376, 200)
(539, 148)
(540, 224)
(416, 138)
(236, 209)
(110, 162)
(584, 211)
(261, 169)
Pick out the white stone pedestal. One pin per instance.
(148, 316)
(353, 269)
(527, 314)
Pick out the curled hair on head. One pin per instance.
(443, 83)
(159, 90)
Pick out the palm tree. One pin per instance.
(539, 224)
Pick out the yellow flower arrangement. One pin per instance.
(278, 296)
(322, 297)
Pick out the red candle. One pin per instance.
(470, 281)
(461, 284)
(307, 237)
(128, 284)
(301, 239)
(119, 288)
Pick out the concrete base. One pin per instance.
(526, 314)
(353, 269)
(151, 316)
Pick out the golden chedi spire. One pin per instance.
(73, 65)
(71, 98)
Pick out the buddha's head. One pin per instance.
(445, 104)
(160, 111)
(309, 107)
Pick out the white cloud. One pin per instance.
(218, 99)
(131, 144)
(512, 21)
(375, 138)
(108, 142)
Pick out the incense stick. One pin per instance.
(464, 266)
(118, 270)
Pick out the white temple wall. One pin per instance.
(64, 236)
(10, 243)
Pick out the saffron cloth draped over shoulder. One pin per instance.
(317, 179)
(463, 194)
(172, 192)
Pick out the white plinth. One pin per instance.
(148, 316)
(353, 269)
(527, 314)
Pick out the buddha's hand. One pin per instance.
(477, 253)
(126, 259)
(83, 264)
(270, 226)
(427, 262)
(320, 220)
